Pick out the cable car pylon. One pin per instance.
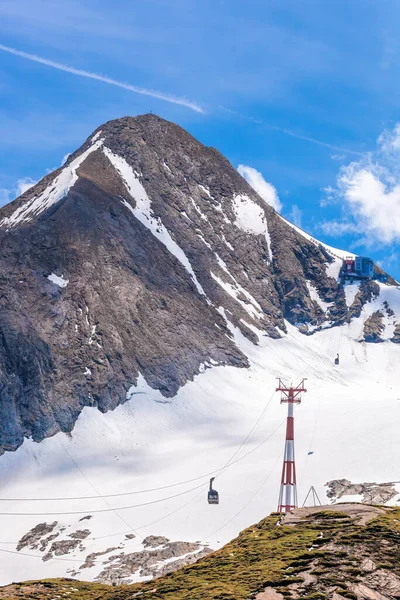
(314, 498)
(288, 491)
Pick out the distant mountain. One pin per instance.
(138, 256)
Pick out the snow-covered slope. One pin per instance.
(147, 270)
(346, 427)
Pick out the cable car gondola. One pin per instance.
(213, 496)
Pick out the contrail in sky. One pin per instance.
(126, 86)
(162, 96)
(290, 132)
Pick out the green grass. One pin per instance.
(263, 555)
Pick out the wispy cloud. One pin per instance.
(19, 188)
(312, 140)
(23, 185)
(291, 133)
(126, 86)
(263, 188)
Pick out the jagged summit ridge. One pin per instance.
(144, 254)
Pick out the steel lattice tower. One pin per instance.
(288, 491)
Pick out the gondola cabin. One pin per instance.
(213, 496)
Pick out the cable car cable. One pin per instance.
(186, 503)
(204, 475)
(100, 510)
(247, 503)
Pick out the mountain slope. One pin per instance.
(128, 260)
(146, 279)
(351, 551)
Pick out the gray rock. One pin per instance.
(373, 327)
(372, 493)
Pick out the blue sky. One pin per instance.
(306, 93)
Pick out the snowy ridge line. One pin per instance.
(342, 254)
(56, 191)
(142, 211)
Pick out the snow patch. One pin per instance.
(314, 295)
(350, 292)
(250, 217)
(197, 209)
(58, 280)
(333, 268)
(142, 211)
(56, 191)
(96, 136)
(206, 191)
(252, 307)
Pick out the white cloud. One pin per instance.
(369, 190)
(23, 185)
(263, 188)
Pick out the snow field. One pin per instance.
(348, 420)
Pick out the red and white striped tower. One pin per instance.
(288, 492)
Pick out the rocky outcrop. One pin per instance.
(371, 493)
(37, 536)
(153, 562)
(396, 336)
(368, 291)
(373, 327)
(158, 555)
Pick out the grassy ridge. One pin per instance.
(330, 545)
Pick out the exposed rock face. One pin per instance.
(373, 327)
(372, 493)
(36, 536)
(157, 556)
(152, 541)
(368, 291)
(137, 257)
(396, 337)
(151, 563)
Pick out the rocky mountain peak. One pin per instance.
(144, 255)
